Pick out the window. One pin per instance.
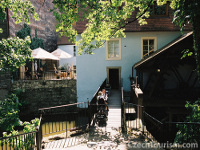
(148, 46)
(74, 51)
(159, 11)
(113, 49)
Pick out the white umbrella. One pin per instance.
(40, 53)
(61, 54)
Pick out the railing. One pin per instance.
(123, 113)
(162, 132)
(94, 98)
(130, 115)
(168, 132)
(74, 118)
(24, 141)
(46, 75)
(19, 142)
(93, 103)
(67, 119)
(153, 128)
(62, 121)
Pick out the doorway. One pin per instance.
(113, 76)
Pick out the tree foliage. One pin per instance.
(188, 11)
(35, 41)
(9, 119)
(106, 19)
(15, 51)
(190, 132)
(20, 9)
(9, 113)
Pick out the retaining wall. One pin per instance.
(45, 93)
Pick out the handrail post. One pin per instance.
(89, 113)
(143, 121)
(122, 116)
(122, 112)
(163, 133)
(139, 95)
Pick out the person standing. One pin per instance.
(28, 73)
(35, 65)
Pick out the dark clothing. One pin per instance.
(101, 100)
(40, 73)
(28, 73)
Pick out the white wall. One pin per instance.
(91, 69)
(70, 50)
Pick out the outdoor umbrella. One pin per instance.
(40, 53)
(61, 54)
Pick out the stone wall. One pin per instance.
(45, 93)
(46, 26)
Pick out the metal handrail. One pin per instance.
(13, 136)
(153, 117)
(99, 88)
(162, 134)
(47, 108)
(195, 123)
(134, 104)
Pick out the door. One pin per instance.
(114, 78)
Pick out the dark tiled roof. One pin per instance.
(153, 24)
(64, 41)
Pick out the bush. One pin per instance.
(190, 132)
(9, 119)
(9, 113)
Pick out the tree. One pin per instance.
(188, 11)
(20, 10)
(15, 51)
(9, 109)
(35, 41)
(190, 132)
(108, 19)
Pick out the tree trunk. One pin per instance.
(196, 40)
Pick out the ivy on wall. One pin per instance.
(35, 41)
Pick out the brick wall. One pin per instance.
(45, 93)
(46, 26)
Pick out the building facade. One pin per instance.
(115, 60)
